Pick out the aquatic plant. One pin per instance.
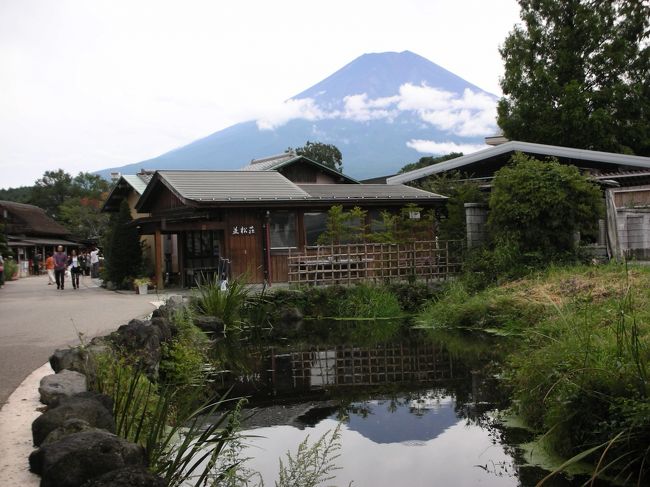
(226, 304)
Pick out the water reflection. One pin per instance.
(412, 413)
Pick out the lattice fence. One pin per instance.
(350, 263)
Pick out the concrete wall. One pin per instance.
(476, 215)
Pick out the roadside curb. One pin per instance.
(16, 417)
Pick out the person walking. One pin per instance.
(94, 262)
(49, 267)
(75, 269)
(60, 263)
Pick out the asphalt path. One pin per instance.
(36, 319)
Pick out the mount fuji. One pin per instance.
(381, 110)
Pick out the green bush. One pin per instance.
(540, 205)
(11, 268)
(368, 301)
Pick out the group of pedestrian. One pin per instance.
(76, 264)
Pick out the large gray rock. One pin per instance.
(65, 383)
(89, 409)
(127, 477)
(143, 341)
(77, 458)
(69, 427)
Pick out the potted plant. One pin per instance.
(142, 284)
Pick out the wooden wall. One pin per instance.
(245, 250)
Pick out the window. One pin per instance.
(315, 224)
(283, 230)
(202, 249)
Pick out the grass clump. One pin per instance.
(368, 301)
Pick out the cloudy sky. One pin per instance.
(88, 84)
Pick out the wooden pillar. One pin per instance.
(158, 251)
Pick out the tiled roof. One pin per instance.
(607, 158)
(138, 181)
(342, 192)
(205, 186)
(270, 163)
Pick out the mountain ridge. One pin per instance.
(377, 109)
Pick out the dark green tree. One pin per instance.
(429, 161)
(122, 248)
(540, 205)
(577, 74)
(460, 190)
(4, 247)
(51, 190)
(326, 154)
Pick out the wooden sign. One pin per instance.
(243, 230)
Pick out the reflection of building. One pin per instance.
(31, 232)
(346, 365)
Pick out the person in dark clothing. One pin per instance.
(60, 263)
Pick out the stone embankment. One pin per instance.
(75, 436)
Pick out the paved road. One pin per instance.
(35, 319)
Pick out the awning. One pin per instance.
(34, 242)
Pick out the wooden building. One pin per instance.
(31, 232)
(625, 180)
(252, 219)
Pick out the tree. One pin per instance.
(51, 190)
(326, 154)
(577, 74)
(83, 217)
(122, 248)
(540, 205)
(429, 161)
(460, 190)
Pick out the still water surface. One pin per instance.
(410, 413)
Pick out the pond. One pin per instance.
(419, 410)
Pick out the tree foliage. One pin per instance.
(429, 161)
(540, 205)
(577, 74)
(122, 248)
(327, 154)
(460, 190)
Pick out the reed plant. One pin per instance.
(226, 304)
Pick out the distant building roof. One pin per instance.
(467, 163)
(125, 183)
(24, 219)
(343, 192)
(279, 161)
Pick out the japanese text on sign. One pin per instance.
(243, 230)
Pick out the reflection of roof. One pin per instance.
(30, 220)
(367, 192)
(464, 162)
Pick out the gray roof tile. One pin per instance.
(204, 186)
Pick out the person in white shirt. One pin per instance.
(94, 263)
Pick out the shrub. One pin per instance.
(368, 301)
(540, 205)
(11, 268)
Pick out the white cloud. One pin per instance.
(438, 148)
(276, 116)
(468, 115)
(359, 108)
